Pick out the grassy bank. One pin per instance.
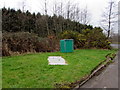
(33, 71)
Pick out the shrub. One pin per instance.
(23, 42)
(95, 38)
(79, 40)
(88, 38)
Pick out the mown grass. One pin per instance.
(33, 71)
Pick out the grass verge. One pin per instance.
(33, 71)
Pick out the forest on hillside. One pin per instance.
(42, 25)
(25, 32)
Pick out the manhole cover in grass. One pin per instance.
(56, 60)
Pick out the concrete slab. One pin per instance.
(56, 60)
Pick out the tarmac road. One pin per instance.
(107, 79)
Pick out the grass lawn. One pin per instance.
(33, 71)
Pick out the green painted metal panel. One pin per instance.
(69, 45)
(66, 45)
(62, 46)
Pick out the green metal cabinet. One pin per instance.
(66, 45)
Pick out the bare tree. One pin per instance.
(72, 11)
(61, 15)
(68, 9)
(85, 16)
(55, 8)
(58, 9)
(23, 4)
(109, 16)
(58, 12)
(45, 7)
(61, 9)
(77, 14)
(46, 18)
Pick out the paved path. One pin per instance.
(115, 45)
(107, 79)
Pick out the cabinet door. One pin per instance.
(69, 46)
(62, 46)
